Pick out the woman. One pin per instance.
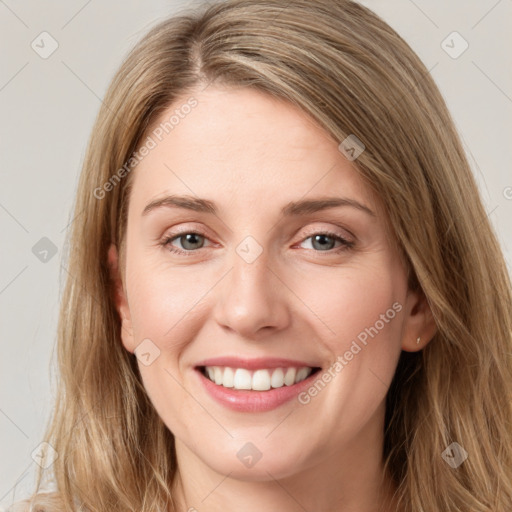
(285, 292)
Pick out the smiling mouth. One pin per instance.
(257, 380)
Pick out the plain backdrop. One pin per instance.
(48, 107)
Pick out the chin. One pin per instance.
(247, 463)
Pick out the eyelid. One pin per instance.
(180, 230)
(343, 233)
(309, 232)
(345, 242)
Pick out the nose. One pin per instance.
(252, 299)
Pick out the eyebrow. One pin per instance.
(302, 207)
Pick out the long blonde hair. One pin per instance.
(353, 74)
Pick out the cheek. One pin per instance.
(360, 312)
(165, 303)
(166, 308)
(352, 302)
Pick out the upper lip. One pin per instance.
(255, 363)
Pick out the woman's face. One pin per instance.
(255, 254)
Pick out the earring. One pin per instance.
(418, 341)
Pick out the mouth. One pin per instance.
(256, 385)
(262, 379)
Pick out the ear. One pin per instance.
(120, 299)
(419, 322)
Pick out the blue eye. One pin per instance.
(325, 242)
(191, 241)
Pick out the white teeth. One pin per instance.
(289, 377)
(259, 380)
(277, 380)
(228, 378)
(218, 375)
(302, 374)
(242, 379)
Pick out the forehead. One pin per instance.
(243, 146)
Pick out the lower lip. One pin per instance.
(254, 401)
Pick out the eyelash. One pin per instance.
(166, 242)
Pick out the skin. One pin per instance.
(251, 154)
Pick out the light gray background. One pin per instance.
(48, 108)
